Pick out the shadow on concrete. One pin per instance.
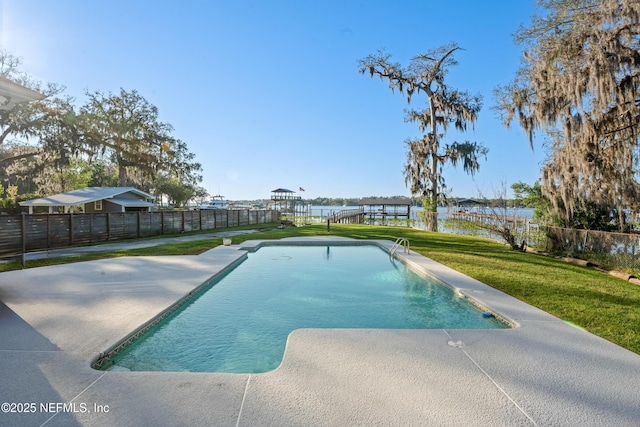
(27, 359)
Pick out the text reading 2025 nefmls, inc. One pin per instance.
(52, 407)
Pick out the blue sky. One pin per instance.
(267, 94)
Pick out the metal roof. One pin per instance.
(13, 93)
(380, 201)
(469, 202)
(87, 195)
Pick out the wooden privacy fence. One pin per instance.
(24, 233)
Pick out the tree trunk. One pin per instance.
(431, 214)
(431, 217)
(431, 220)
(122, 176)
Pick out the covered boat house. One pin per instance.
(385, 208)
(375, 210)
(285, 200)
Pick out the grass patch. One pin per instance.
(593, 300)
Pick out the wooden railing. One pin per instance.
(348, 215)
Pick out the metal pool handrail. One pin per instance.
(400, 241)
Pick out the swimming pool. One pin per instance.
(240, 322)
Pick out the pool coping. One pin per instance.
(54, 320)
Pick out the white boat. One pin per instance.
(247, 206)
(216, 202)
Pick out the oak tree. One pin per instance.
(579, 84)
(446, 107)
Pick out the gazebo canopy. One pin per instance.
(284, 194)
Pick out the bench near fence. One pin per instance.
(25, 233)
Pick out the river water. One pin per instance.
(321, 212)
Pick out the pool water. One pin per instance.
(241, 323)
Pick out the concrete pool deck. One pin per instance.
(55, 320)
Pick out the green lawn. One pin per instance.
(591, 299)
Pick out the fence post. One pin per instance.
(70, 228)
(108, 226)
(23, 230)
(48, 231)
